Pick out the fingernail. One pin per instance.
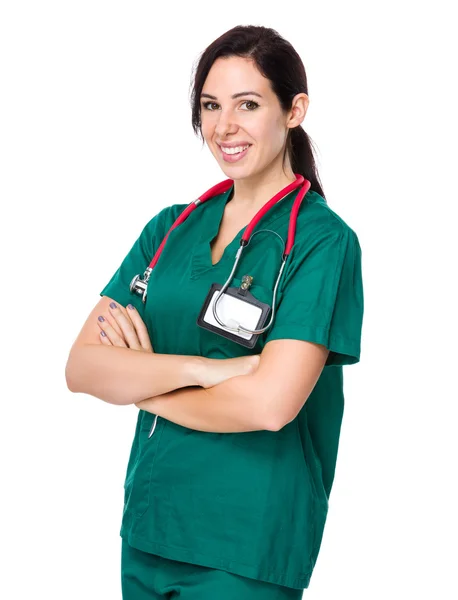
(103, 333)
(101, 319)
(113, 305)
(130, 306)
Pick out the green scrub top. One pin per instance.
(252, 503)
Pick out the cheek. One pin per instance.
(207, 127)
(276, 136)
(206, 132)
(269, 136)
(268, 145)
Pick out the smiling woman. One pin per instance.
(228, 483)
(236, 121)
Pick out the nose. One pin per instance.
(225, 124)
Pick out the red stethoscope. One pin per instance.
(139, 285)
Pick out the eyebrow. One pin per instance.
(233, 96)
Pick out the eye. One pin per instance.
(205, 105)
(255, 104)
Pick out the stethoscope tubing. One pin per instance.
(140, 285)
(300, 181)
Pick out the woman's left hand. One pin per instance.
(128, 329)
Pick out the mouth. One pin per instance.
(233, 157)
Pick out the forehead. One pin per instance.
(233, 74)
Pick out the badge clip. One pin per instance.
(245, 285)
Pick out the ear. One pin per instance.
(298, 110)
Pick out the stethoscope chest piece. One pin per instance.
(140, 286)
(236, 306)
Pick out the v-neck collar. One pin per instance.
(212, 216)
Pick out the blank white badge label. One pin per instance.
(228, 308)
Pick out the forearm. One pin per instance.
(120, 375)
(234, 405)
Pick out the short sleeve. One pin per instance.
(135, 262)
(322, 297)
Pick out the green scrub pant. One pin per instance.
(146, 576)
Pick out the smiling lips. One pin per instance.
(233, 154)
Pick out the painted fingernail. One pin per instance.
(130, 306)
(113, 305)
(101, 319)
(103, 334)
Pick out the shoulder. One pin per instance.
(161, 222)
(318, 222)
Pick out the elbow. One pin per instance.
(278, 419)
(82, 378)
(265, 411)
(275, 423)
(69, 378)
(262, 402)
(74, 371)
(282, 413)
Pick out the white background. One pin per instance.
(95, 139)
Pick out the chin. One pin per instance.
(236, 175)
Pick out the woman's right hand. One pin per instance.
(215, 370)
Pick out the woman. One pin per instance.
(233, 460)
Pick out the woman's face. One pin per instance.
(254, 118)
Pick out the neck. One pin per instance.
(255, 191)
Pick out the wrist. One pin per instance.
(195, 367)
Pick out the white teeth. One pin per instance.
(235, 150)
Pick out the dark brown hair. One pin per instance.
(276, 60)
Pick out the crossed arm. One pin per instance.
(266, 398)
(237, 404)
(122, 368)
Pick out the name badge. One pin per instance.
(236, 306)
